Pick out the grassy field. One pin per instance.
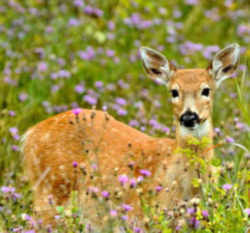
(56, 55)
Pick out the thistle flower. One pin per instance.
(76, 111)
(123, 179)
(227, 187)
(145, 173)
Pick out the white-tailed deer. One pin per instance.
(91, 152)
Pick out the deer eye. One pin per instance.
(174, 93)
(205, 91)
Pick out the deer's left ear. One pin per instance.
(224, 63)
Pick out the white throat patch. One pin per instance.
(199, 131)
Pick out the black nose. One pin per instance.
(188, 119)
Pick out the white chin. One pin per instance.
(199, 130)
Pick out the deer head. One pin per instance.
(192, 90)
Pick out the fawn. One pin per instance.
(85, 149)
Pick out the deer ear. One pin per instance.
(156, 65)
(224, 63)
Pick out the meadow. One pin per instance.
(57, 55)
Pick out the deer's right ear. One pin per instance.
(156, 65)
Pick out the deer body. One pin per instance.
(88, 148)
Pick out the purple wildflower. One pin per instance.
(127, 207)
(22, 96)
(73, 22)
(138, 230)
(98, 84)
(75, 164)
(79, 3)
(191, 211)
(158, 188)
(105, 194)
(113, 213)
(192, 2)
(122, 112)
(229, 140)
(227, 187)
(132, 183)
(111, 25)
(88, 54)
(13, 130)
(42, 66)
(77, 111)
(247, 211)
(120, 101)
(79, 89)
(110, 53)
(145, 173)
(123, 179)
(7, 189)
(12, 113)
(15, 148)
(124, 217)
(205, 213)
(90, 99)
(194, 222)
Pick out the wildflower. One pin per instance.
(113, 213)
(229, 140)
(98, 84)
(120, 101)
(127, 207)
(77, 111)
(134, 123)
(192, 2)
(158, 188)
(247, 211)
(105, 194)
(22, 96)
(123, 179)
(191, 211)
(110, 53)
(205, 214)
(88, 54)
(194, 222)
(124, 217)
(73, 22)
(122, 112)
(13, 130)
(227, 187)
(79, 88)
(111, 25)
(132, 183)
(7, 189)
(78, 3)
(12, 113)
(75, 164)
(15, 148)
(145, 173)
(90, 99)
(42, 66)
(94, 166)
(138, 230)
